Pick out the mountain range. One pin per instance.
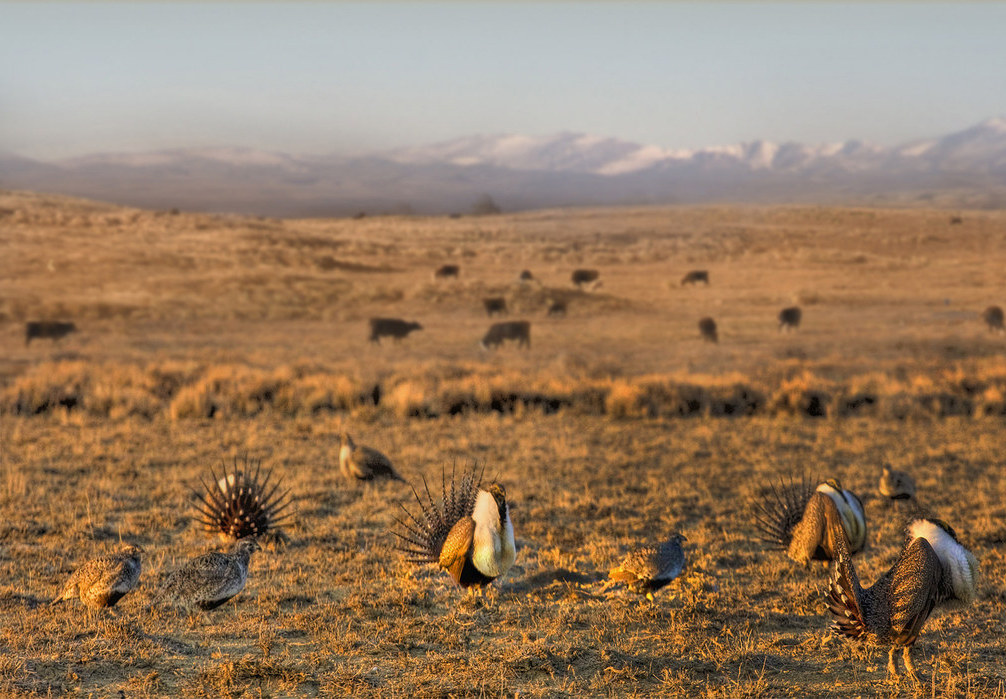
(962, 169)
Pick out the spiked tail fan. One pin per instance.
(245, 502)
(421, 536)
(778, 508)
(844, 595)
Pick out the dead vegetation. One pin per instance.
(336, 610)
(204, 338)
(180, 391)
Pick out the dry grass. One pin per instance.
(204, 338)
(337, 611)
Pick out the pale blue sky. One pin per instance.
(323, 77)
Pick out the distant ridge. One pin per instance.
(962, 169)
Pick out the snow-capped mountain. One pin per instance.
(520, 171)
(978, 148)
(573, 152)
(563, 152)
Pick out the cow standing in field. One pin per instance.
(496, 304)
(993, 317)
(557, 308)
(447, 272)
(707, 329)
(391, 327)
(519, 330)
(585, 277)
(53, 329)
(525, 276)
(696, 276)
(789, 318)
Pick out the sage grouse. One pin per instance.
(209, 580)
(808, 523)
(934, 570)
(650, 568)
(896, 485)
(469, 534)
(363, 463)
(243, 503)
(103, 581)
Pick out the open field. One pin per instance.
(204, 338)
(189, 315)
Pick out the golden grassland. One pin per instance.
(212, 337)
(189, 315)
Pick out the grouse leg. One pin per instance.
(909, 665)
(892, 664)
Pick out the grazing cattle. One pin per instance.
(789, 318)
(393, 327)
(696, 276)
(52, 329)
(707, 328)
(954, 220)
(445, 271)
(526, 276)
(583, 277)
(496, 304)
(519, 330)
(993, 317)
(557, 308)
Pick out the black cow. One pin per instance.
(52, 329)
(519, 330)
(496, 304)
(526, 276)
(393, 327)
(557, 308)
(789, 318)
(446, 271)
(707, 329)
(583, 277)
(696, 276)
(993, 317)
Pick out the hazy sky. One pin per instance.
(330, 77)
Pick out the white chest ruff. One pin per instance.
(956, 560)
(493, 549)
(851, 512)
(345, 454)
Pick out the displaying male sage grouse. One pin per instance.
(245, 502)
(933, 571)
(469, 534)
(103, 581)
(808, 523)
(647, 569)
(209, 580)
(364, 463)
